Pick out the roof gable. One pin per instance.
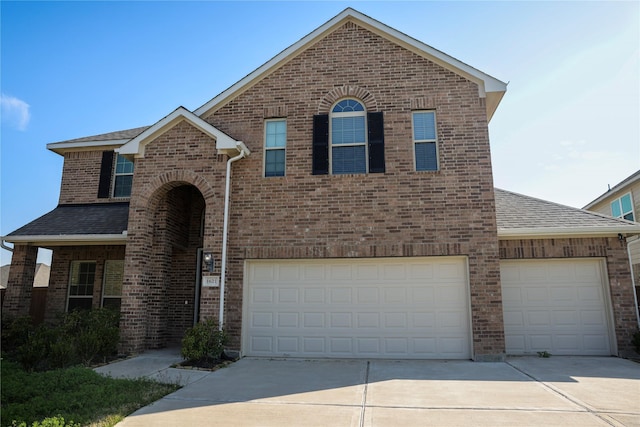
(622, 186)
(489, 87)
(136, 146)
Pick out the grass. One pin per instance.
(78, 395)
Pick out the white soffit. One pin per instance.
(135, 147)
(489, 87)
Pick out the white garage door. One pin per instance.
(558, 306)
(370, 308)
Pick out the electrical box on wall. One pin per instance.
(210, 281)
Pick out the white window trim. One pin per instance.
(619, 201)
(79, 261)
(418, 141)
(115, 174)
(354, 144)
(264, 155)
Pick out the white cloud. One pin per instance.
(15, 112)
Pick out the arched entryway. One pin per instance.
(177, 237)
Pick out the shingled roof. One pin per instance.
(520, 216)
(110, 136)
(99, 222)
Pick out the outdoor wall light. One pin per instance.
(207, 258)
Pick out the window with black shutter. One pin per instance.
(106, 168)
(348, 141)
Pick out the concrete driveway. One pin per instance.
(526, 391)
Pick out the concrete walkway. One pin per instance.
(524, 391)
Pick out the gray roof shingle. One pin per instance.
(517, 215)
(82, 219)
(110, 136)
(516, 211)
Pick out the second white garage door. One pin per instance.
(555, 305)
(372, 308)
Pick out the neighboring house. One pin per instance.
(40, 283)
(336, 202)
(40, 279)
(623, 201)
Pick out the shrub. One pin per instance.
(203, 342)
(636, 341)
(15, 332)
(94, 333)
(78, 337)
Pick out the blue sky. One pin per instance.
(567, 127)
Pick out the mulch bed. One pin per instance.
(207, 364)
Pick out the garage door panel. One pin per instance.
(423, 319)
(314, 295)
(262, 295)
(314, 320)
(288, 296)
(367, 295)
(394, 296)
(340, 295)
(394, 272)
(562, 310)
(400, 308)
(262, 320)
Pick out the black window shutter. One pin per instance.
(375, 124)
(106, 168)
(320, 144)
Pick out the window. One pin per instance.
(275, 141)
(623, 208)
(424, 140)
(349, 140)
(123, 177)
(81, 280)
(112, 284)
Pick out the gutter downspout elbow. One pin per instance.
(244, 152)
(4, 246)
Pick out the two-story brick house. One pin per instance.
(336, 202)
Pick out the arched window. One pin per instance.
(348, 141)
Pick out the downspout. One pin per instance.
(244, 152)
(4, 246)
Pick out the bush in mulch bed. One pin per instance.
(203, 346)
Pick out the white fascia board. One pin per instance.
(69, 239)
(559, 232)
(619, 188)
(135, 147)
(486, 83)
(63, 147)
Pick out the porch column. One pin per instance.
(17, 300)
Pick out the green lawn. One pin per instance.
(76, 394)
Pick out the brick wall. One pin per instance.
(179, 175)
(398, 213)
(60, 267)
(617, 267)
(81, 167)
(17, 298)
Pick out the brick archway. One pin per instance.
(166, 230)
(347, 91)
